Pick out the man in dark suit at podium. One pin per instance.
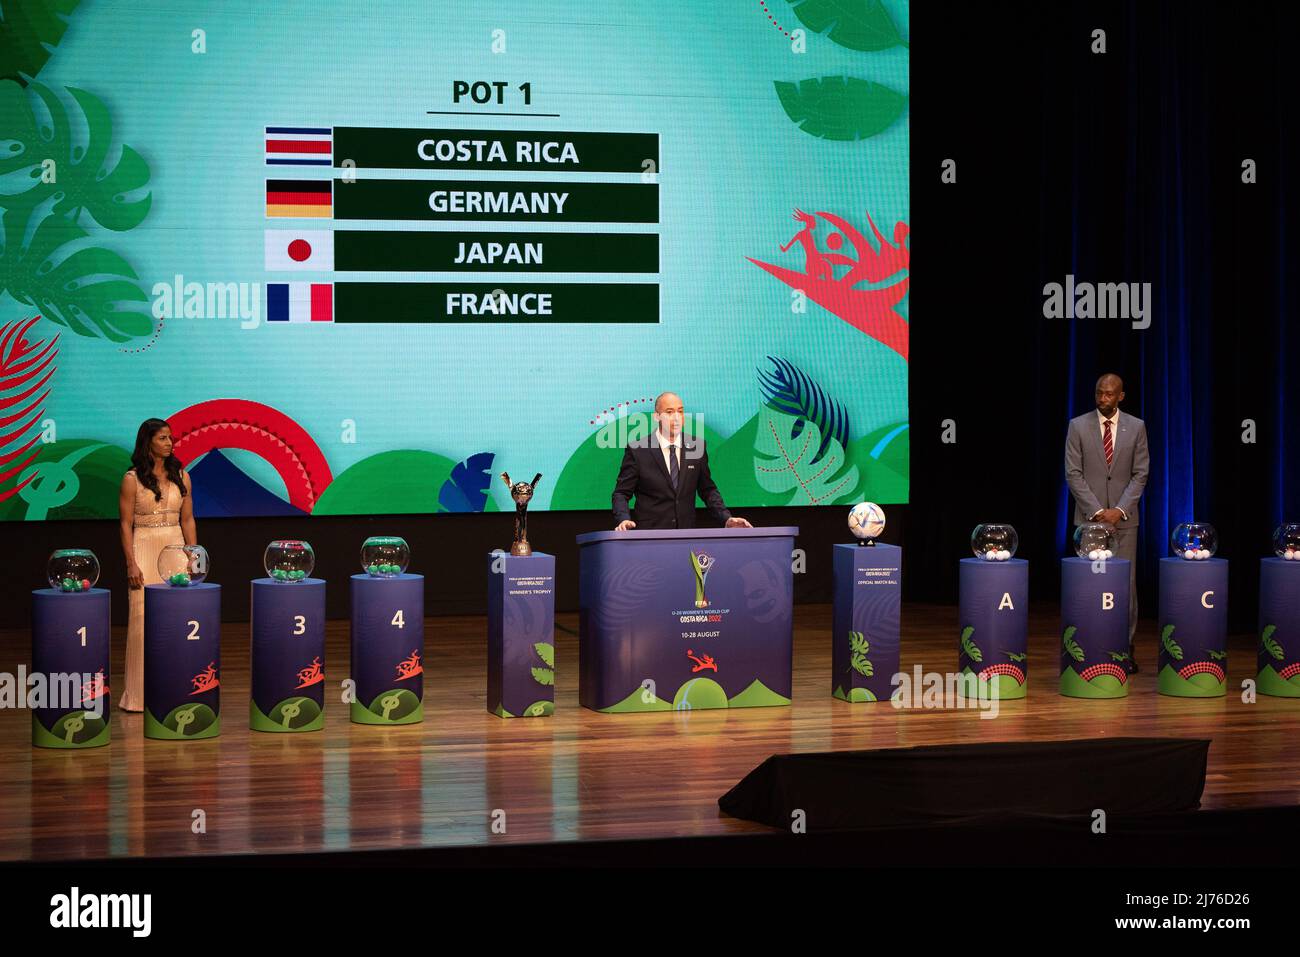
(664, 473)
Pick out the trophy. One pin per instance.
(521, 492)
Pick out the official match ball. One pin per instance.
(866, 520)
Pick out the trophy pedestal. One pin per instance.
(521, 635)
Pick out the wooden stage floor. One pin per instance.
(575, 776)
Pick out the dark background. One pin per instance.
(1115, 167)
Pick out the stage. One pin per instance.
(467, 779)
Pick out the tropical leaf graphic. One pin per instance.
(1268, 644)
(788, 389)
(25, 370)
(1171, 646)
(1070, 645)
(1118, 655)
(543, 676)
(864, 25)
(546, 652)
(972, 650)
(27, 28)
(785, 462)
(858, 643)
(1217, 655)
(83, 176)
(840, 107)
(466, 489)
(1016, 655)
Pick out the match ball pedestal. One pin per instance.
(521, 635)
(1193, 660)
(70, 636)
(993, 650)
(388, 649)
(1279, 628)
(1094, 628)
(182, 661)
(288, 655)
(867, 598)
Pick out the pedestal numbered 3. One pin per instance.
(182, 661)
(70, 647)
(864, 621)
(993, 650)
(521, 635)
(1279, 628)
(1094, 628)
(288, 655)
(1193, 659)
(388, 649)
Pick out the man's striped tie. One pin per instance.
(1108, 445)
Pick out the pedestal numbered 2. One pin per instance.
(70, 644)
(1193, 661)
(288, 655)
(993, 649)
(182, 661)
(388, 649)
(1094, 628)
(864, 621)
(1279, 628)
(521, 635)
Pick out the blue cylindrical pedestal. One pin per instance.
(388, 649)
(1279, 628)
(70, 645)
(288, 655)
(1193, 660)
(1094, 628)
(521, 635)
(182, 661)
(994, 618)
(866, 599)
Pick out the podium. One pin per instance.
(182, 661)
(1193, 659)
(993, 648)
(70, 639)
(1094, 628)
(288, 655)
(684, 619)
(388, 649)
(521, 635)
(1279, 628)
(866, 599)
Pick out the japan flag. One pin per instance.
(299, 250)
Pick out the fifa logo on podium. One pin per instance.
(701, 563)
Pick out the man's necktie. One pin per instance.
(1107, 444)
(674, 470)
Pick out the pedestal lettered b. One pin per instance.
(1094, 628)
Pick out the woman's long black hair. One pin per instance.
(142, 460)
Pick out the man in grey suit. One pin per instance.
(1106, 467)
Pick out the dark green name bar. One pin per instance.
(450, 200)
(364, 250)
(495, 302)
(373, 148)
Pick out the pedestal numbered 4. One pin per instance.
(388, 649)
(993, 649)
(1193, 660)
(865, 620)
(182, 661)
(288, 655)
(1279, 628)
(521, 635)
(1094, 628)
(70, 645)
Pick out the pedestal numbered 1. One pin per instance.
(288, 655)
(1094, 628)
(182, 661)
(1279, 628)
(1193, 661)
(70, 649)
(388, 649)
(521, 635)
(993, 649)
(864, 621)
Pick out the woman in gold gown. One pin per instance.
(156, 510)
